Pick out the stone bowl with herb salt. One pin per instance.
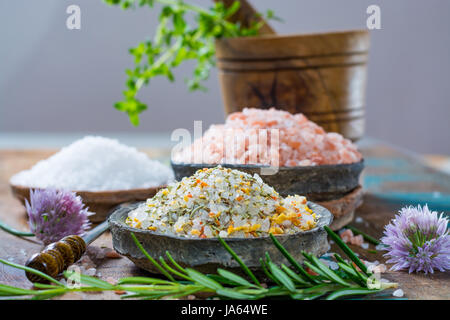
(102, 171)
(188, 216)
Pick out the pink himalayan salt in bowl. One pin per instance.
(269, 137)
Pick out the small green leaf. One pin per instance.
(282, 277)
(234, 278)
(203, 280)
(233, 294)
(239, 261)
(349, 292)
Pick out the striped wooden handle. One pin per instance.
(56, 257)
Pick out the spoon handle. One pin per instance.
(58, 256)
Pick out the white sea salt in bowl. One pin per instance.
(102, 171)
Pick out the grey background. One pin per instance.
(55, 80)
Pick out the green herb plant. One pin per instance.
(352, 278)
(176, 40)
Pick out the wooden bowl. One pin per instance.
(206, 255)
(317, 183)
(99, 202)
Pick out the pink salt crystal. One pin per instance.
(110, 280)
(112, 254)
(285, 139)
(357, 240)
(346, 235)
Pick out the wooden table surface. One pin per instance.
(391, 179)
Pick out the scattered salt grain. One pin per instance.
(95, 164)
(359, 220)
(357, 240)
(380, 247)
(91, 272)
(365, 245)
(111, 280)
(398, 293)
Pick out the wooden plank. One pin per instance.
(388, 170)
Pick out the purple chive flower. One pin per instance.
(417, 239)
(55, 214)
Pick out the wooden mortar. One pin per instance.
(320, 75)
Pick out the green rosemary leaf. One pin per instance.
(238, 260)
(291, 260)
(234, 278)
(233, 294)
(352, 274)
(156, 264)
(362, 276)
(315, 269)
(91, 281)
(221, 279)
(31, 270)
(6, 290)
(142, 280)
(294, 276)
(15, 232)
(282, 277)
(346, 250)
(203, 280)
(175, 272)
(172, 260)
(350, 292)
(266, 272)
(328, 272)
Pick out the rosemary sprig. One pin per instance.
(286, 282)
(179, 38)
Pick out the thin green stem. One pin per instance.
(149, 257)
(238, 260)
(15, 232)
(34, 271)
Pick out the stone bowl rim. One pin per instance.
(255, 166)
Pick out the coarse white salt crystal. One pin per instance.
(365, 245)
(398, 293)
(95, 163)
(91, 272)
(359, 220)
(380, 247)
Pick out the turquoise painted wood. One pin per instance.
(401, 178)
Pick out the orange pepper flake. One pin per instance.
(280, 209)
(311, 272)
(240, 198)
(120, 292)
